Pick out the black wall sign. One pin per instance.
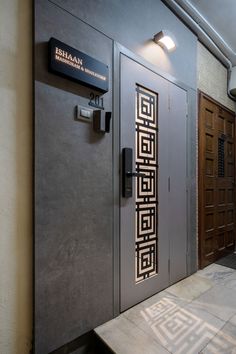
(78, 66)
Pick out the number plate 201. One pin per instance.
(96, 101)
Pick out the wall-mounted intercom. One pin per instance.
(101, 121)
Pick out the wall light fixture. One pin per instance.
(165, 40)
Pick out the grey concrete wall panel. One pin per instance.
(76, 241)
(73, 192)
(133, 23)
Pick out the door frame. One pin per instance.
(191, 139)
(201, 95)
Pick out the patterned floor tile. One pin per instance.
(191, 287)
(123, 337)
(181, 330)
(232, 320)
(217, 273)
(219, 301)
(224, 342)
(187, 318)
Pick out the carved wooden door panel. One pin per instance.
(216, 181)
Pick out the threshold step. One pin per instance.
(124, 337)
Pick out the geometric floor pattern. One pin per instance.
(180, 331)
(196, 315)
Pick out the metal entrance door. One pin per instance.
(153, 201)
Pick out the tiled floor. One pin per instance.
(196, 315)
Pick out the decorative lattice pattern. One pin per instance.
(221, 157)
(146, 187)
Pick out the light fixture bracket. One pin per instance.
(165, 39)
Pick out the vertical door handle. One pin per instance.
(127, 166)
(127, 174)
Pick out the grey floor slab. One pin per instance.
(230, 281)
(219, 301)
(196, 315)
(177, 326)
(224, 342)
(123, 337)
(217, 273)
(191, 287)
(159, 304)
(232, 320)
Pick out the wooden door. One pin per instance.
(216, 180)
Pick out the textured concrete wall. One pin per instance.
(133, 23)
(15, 177)
(212, 77)
(73, 165)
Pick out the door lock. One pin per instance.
(127, 174)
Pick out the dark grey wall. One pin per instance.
(73, 193)
(133, 23)
(73, 165)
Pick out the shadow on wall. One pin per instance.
(16, 183)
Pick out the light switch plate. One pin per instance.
(84, 114)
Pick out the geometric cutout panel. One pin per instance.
(146, 238)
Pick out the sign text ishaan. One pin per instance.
(67, 58)
(78, 66)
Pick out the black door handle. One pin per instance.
(135, 174)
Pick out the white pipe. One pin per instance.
(204, 37)
(207, 28)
